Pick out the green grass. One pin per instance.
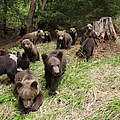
(88, 90)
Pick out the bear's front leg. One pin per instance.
(22, 108)
(38, 102)
(48, 79)
(54, 85)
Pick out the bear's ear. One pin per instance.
(38, 30)
(56, 30)
(19, 85)
(44, 57)
(34, 84)
(22, 44)
(64, 30)
(59, 55)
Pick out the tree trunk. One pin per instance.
(4, 17)
(105, 27)
(43, 4)
(30, 16)
(38, 1)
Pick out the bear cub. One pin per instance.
(30, 50)
(8, 65)
(64, 40)
(35, 36)
(27, 90)
(23, 61)
(74, 35)
(48, 37)
(86, 49)
(54, 66)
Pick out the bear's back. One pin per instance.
(25, 76)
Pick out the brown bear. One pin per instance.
(64, 40)
(30, 50)
(27, 90)
(54, 66)
(89, 33)
(3, 51)
(48, 37)
(73, 33)
(87, 47)
(35, 36)
(23, 61)
(8, 65)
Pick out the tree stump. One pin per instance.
(105, 28)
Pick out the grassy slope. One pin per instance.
(88, 91)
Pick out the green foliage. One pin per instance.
(15, 12)
(58, 13)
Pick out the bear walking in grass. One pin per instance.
(64, 40)
(10, 62)
(27, 90)
(55, 66)
(8, 65)
(30, 50)
(74, 35)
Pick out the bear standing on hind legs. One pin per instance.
(55, 66)
(88, 43)
(26, 89)
(88, 47)
(74, 35)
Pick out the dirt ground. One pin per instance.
(103, 49)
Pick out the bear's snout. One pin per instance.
(56, 71)
(27, 104)
(60, 38)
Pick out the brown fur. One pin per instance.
(23, 61)
(87, 47)
(30, 50)
(8, 66)
(73, 33)
(55, 66)
(3, 51)
(64, 40)
(27, 91)
(48, 37)
(35, 36)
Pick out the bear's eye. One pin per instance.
(52, 66)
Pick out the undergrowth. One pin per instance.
(70, 101)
